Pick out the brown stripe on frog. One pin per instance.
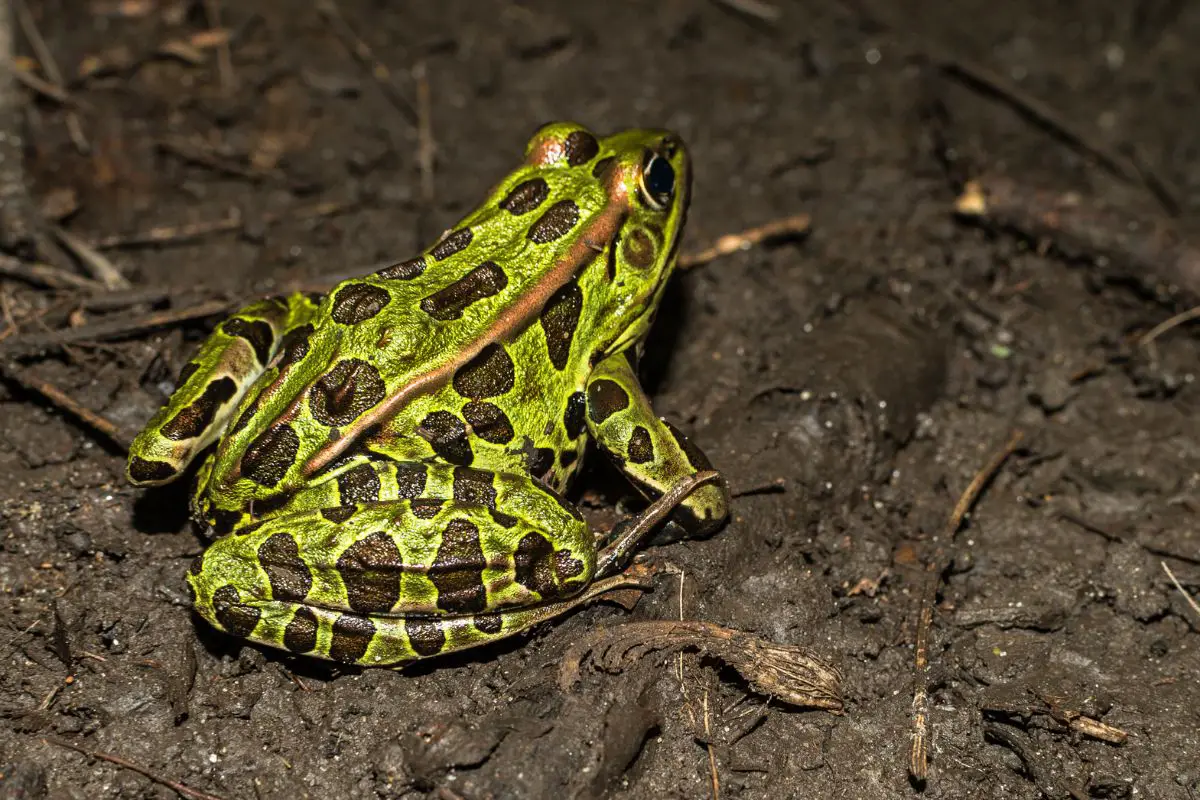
(144, 470)
(300, 635)
(370, 569)
(525, 197)
(358, 302)
(289, 576)
(486, 280)
(294, 346)
(453, 243)
(198, 416)
(189, 369)
(513, 317)
(425, 636)
(556, 223)
(559, 319)
(488, 422)
(403, 271)
(447, 435)
(235, 616)
(256, 333)
(457, 570)
(351, 636)
(343, 393)
(489, 374)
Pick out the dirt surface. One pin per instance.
(850, 385)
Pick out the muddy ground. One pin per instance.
(850, 384)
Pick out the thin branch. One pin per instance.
(786, 227)
(1191, 601)
(175, 786)
(64, 402)
(49, 66)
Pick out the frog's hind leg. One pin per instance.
(211, 385)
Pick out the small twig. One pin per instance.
(366, 57)
(175, 234)
(46, 275)
(179, 788)
(195, 154)
(714, 777)
(1147, 252)
(1168, 324)
(1191, 601)
(42, 87)
(752, 8)
(1179, 553)
(212, 10)
(426, 146)
(786, 227)
(50, 67)
(918, 763)
(100, 267)
(113, 328)
(62, 401)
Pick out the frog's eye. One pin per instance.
(657, 182)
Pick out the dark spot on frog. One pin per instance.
(525, 197)
(224, 521)
(568, 565)
(426, 507)
(559, 318)
(447, 435)
(248, 414)
(474, 487)
(294, 346)
(197, 417)
(233, 615)
(270, 455)
(489, 374)
(488, 422)
(404, 271)
(371, 569)
(502, 519)
(602, 166)
(410, 480)
(425, 636)
(289, 576)
(189, 369)
(637, 248)
(457, 570)
(539, 461)
(556, 223)
(256, 332)
(486, 280)
(534, 565)
(605, 398)
(300, 635)
(358, 485)
(142, 470)
(573, 417)
(454, 242)
(351, 637)
(641, 448)
(695, 456)
(338, 514)
(566, 458)
(581, 147)
(343, 393)
(358, 302)
(488, 623)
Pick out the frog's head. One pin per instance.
(643, 177)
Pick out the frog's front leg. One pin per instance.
(650, 451)
(437, 559)
(212, 384)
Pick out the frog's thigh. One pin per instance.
(391, 581)
(651, 452)
(211, 385)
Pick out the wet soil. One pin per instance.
(850, 385)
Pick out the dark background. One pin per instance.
(865, 115)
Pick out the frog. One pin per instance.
(381, 471)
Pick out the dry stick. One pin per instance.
(179, 788)
(1190, 600)
(16, 212)
(97, 264)
(797, 225)
(113, 328)
(752, 8)
(50, 67)
(42, 87)
(46, 275)
(426, 146)
(363, 53)
(212, 10)
(714, 778)
(918, 763)
(175, 234)
(1166, 325)
(63, 402)
(1147, 251)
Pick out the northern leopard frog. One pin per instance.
(386, 482)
